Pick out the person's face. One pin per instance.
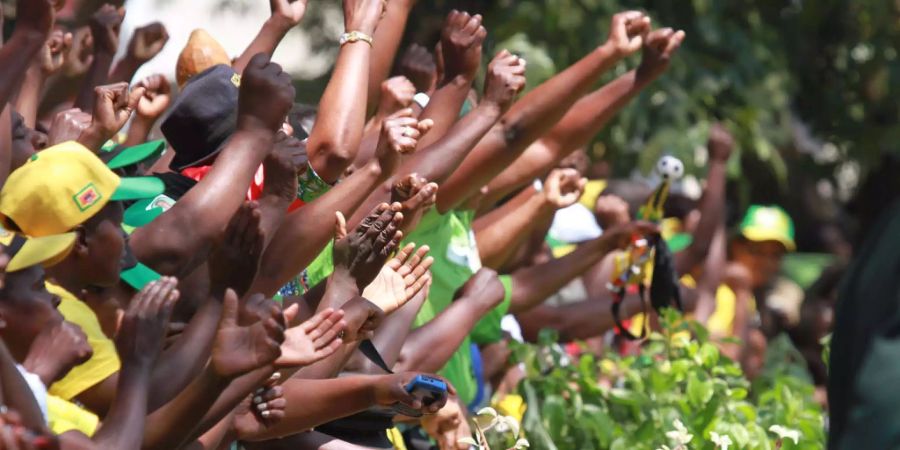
(22, 145)
(103, 246)
(763, 259)
(26, 308)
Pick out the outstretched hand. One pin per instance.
(260, 410)
(146, 320)
(659, 46)
(234, 260)
(363, 252)
(460, 46)
(312, 340)
(391, 389)
(404, 276)
(240, 349)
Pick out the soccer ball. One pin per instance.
(670, 168)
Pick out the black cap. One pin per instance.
(203, 117)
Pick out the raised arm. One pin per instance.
(146, 43)
(587, 117)
(712, 206)
(430, 346)
(48, 61)
(171, 242)
(286, 14)
(337, 133)
(540, 109)
(105, 25)
(139, 343)
(532, 285)
(503, 230)
(384, 48)
(35, 20)
(460, 56)
(150, 107)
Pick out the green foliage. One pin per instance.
(633, 402)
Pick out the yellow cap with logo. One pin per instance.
(62, 187)
(24, 252)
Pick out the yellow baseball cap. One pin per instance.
(62, 187)
(768, 223)
(24, 252)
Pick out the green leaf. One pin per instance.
(699, 392)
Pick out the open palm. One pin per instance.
(311, 341)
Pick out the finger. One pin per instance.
(310, 325)
(133, 98)
(332, 323)
(402, 257)
(272, 394)
(674, 43)
(290, 313)
(425, 125)
(340, 226)
(274, 330)
(419, 271)
(229, 309)
(372, 217)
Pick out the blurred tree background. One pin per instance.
(810, 89)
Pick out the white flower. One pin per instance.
(469, 441)
(508, 424)
(680, 434)
(722, 441)
(486, 418)
(664, 447)
(522, 443)
(786, 433)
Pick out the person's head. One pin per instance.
(765, 234)
(203, 117)
(26, 308)
(66, 188)
(25, 141)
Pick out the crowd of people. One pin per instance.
(203, 263)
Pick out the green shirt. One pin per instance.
(452, 242)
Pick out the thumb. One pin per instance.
(291, 313)
(135, 96)
(425, 125)
(340, 226)
(229, 309)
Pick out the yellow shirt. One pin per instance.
(105, 360)
(67, 416)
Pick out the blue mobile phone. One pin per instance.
(427, 389)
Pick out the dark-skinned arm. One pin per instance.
(285, 15)
(139, 343)
(105, 25)
(712, 205)
(33, 26)
(337, 133)
(532, 285)
(172, 242)
(576, 321)
(460, 56)
(15, 393)
(386, 41)
(48, 61)
(430, 346)
(313, 402)
(146, 42)
(539, 110)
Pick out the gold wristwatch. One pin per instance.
(354, 36)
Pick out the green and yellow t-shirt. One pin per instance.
(103, 363)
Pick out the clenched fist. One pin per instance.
(505, 79)
(266, 95)
(460, 47)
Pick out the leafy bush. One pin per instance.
(680, 392)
